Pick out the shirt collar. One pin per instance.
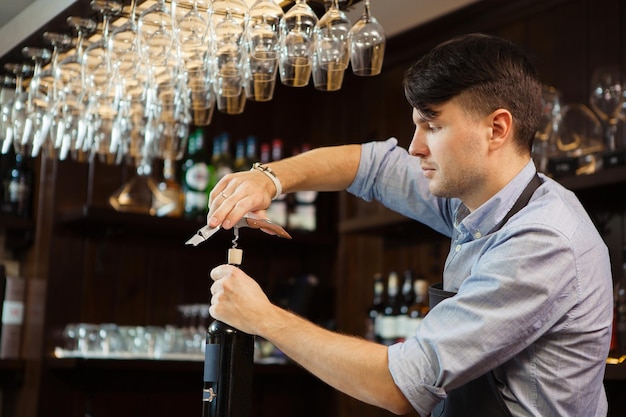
(479, 222)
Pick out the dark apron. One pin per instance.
(480, 397)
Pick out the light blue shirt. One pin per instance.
(534, 298)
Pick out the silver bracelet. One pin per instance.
(271, 175)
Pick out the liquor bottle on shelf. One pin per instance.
(304, 213)
(388, 321)
(406, 300)
(277, 211)
(196, 177)
(222, 161)
(245, 154)
(18, 188)
(171, 201)
(418, 309)
(375, 309)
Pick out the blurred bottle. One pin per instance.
(277, 211)
(375, 309)
(18, 187)
(304, 213)
(223, 161)
(418, 309)
(407, 296)
(196, 177)
(171, 201)
(245, 154)
(388, 321)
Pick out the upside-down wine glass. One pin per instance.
(7, 94)
(227, 27)
(367, 44)
(262, 43)
(194, 40)
(73, 97)
(296, 46)
(25, 122)
(606, 99)
(48, 107)
(102, 88)
(331, 49)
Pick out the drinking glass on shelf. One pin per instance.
(262, 43)
(367, 44)
(331, 49)
(607, 99)
(296, 45)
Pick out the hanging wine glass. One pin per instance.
(606, 100)
(123, 44)
(7, 95)
(72, 96)
(367, 44)
(25, 121)
(156, 32)
(296, 45)
(227, 25)
(331, 49)
(194, 39)
(262, 43)
(102, 88)
(47, 105)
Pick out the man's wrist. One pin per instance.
(258, 166)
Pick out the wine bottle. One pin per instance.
(388, 321)
(223, 161)
(277, 211)
(406, 300)
(304, 213)
(228, 367)
(418, 309)
(172, 199)
(375, 309)
(196, 177)
(18, 188)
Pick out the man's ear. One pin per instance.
(501, 128)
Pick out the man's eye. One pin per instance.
(433, 128)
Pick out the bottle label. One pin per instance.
(211, 362)
(387, 327)
(197, 176)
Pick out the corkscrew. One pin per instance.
(266, 225)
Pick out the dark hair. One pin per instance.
(486, 73)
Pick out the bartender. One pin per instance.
(526, 327)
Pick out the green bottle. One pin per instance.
(196, 178)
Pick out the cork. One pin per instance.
(235, 256)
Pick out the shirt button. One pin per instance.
(457, 248)
(477, 235)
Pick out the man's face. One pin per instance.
(452, 147)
